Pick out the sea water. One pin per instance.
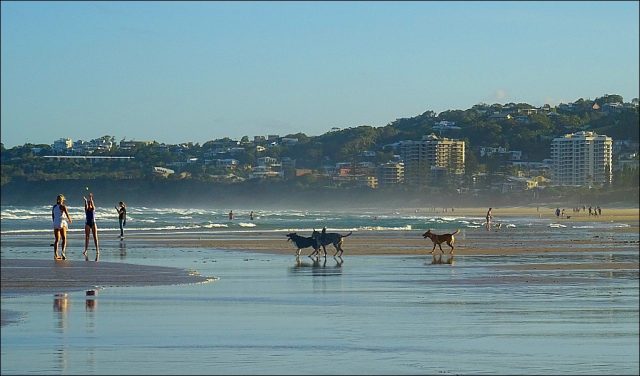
(275, 314)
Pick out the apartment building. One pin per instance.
(431, 155)
(391, 173)
(581, 159)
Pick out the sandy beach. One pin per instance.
(535, 297)
(38, 275)
(468, 242)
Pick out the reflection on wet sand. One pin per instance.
(123, 249)
(60, 309)
(440, 258)
(90, 304)
(318, 265)
(61, 304)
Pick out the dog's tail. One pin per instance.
(350, 232)
(457, 231)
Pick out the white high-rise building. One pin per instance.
(581, 159)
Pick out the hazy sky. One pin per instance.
(196, 71)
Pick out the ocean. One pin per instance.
(275, 314)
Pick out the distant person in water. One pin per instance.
(231, 215)
(58, 212)
(90, 226)
(488, 217)
(122, 217)
(251, 215)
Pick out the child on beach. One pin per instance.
(122, 217)
(60, 226)
(90, 225)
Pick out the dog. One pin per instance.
(325, 238)
(439, 239)
(303, 242)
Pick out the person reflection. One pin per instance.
(60, 308)
(60, 303)
(123, 249)
(90, 304)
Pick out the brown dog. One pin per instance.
(439, 239)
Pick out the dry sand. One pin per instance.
(473, 241)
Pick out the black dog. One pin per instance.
(303, 242)
(325, 238)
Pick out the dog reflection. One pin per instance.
(318, 265)
(442, 259)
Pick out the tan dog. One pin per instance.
(439, 239)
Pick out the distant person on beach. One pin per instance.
(558, 212)
(231, 215)
(590, 211)
(58, 211)
(489, 217)
(122, 217)
(599, 210)
(251, 215)
(90, 225)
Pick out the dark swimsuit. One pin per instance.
(91, 221)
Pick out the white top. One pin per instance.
(58, 220)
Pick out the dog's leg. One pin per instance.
(440, 245)
(450, 245)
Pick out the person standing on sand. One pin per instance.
(60, 226)
(489, 217)
(90, 225)
(122, 217)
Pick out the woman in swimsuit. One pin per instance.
(90, 225)
(58, 211)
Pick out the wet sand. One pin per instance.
(46, 276)
(49, 276)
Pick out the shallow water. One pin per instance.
(271, 314)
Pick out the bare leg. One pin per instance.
(95, 238)
(86, 239)
(56, 234)
(64, 242)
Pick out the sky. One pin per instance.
(176, 72)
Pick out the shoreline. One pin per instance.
(48, 276)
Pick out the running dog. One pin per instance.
(439, 239)
(303, 242)
(325, 238)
